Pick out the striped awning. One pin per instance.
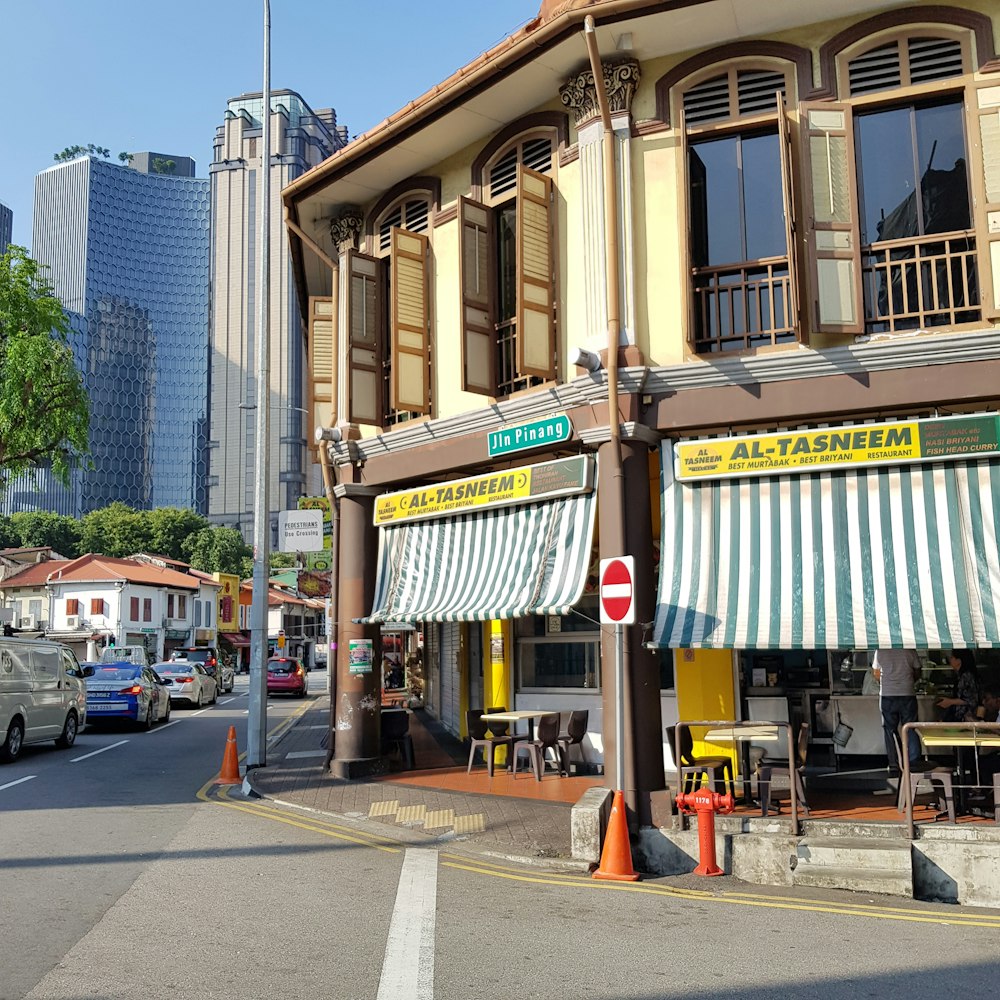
(858, 559)
(502, 563)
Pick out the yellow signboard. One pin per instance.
(895, 443)
(229, 602)
(563, 477)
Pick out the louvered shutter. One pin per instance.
(409, 318)
(788, 205)
(986, 109)
(364, 369)
(687, 263)
(321, 354)
(833, 238)
(535, 328)
(476, 274)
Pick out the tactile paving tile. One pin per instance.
(411, 814)
(387, 808)
(475, 823)
(439, 818)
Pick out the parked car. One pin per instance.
(125, 654)
(209, 658)
(127, 691)
(42, 695)
(188, 682)
(285, 675)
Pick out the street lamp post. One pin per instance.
(257, 717)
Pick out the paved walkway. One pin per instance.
(498, 820)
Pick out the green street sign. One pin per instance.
(537, 433)
(148, 631)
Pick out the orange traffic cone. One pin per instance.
(230, 773)
(616, 857)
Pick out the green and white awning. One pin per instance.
(861, 558)
(507, 562)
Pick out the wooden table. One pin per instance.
(744, 734)
(528, 716)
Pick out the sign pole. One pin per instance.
(619, 707)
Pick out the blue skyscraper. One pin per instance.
(128, 255)
(6, 226)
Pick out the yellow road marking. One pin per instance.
(738, 899)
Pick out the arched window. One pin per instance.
(508, 265)
(738, 186)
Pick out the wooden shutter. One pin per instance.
(791, 230)
(409, 320)
(535, 327)
(364, 348)
(476, 267)
(72, 606)
(321, 370)
(833, 240)
(986, 177)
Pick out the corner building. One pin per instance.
(808, 260)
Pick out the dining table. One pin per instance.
(745, 733)
(961, 737)
(522, 715)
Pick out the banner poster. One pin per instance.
(314, 575)
(360, 656)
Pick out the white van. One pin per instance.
(43, 695)
(126, 654)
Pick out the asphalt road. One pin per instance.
(126, 874)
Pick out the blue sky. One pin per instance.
(156, 75)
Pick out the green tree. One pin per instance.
(219, 550)
(161, 165)
(126, 158)
(170, 528)
(44, 410)
(8, 536)
(116, 530)
(282, 560)
(40, 528)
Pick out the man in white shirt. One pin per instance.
(897, 671)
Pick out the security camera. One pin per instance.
(583, 358)
(328, 434)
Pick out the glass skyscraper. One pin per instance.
(128, 255)
(6, 226)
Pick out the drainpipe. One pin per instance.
(329, 481)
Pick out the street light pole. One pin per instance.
(257, 717)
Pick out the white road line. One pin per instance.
(94, 753)
(201, 711)
(166, 725)
(408, 968)
(305, 753)
(11, 784)
(228, 700)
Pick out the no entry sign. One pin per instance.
(617, 603)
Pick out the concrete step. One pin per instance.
(836, 829)
(890, 883)
(854, 852)
(861, 863)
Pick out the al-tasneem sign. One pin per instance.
(519, 437)
(900, 442)
(546, 480)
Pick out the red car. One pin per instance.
(286, 675)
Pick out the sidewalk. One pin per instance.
(439, 803)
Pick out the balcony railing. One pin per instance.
(742, 305)
(508, 379)
(919, 283)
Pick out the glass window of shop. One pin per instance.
(560, 651)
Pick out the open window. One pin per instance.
(741, 223)
(507, 262)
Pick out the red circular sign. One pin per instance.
(616, 590)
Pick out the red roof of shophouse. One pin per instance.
(99, 569)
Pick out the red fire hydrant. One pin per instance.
(706, 804)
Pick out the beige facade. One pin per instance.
(770, 276)
(300, 139)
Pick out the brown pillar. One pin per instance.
(358, 708)
(629, 531)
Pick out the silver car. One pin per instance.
(188, 682)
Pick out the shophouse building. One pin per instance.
(301, 138)
(127, 254)
(803, 450)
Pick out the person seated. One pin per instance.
(962, 705)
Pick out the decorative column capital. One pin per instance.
(621, 80)
(345, 228)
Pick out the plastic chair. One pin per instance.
(576, 730)
(396, 735)
(691, 767)
(768, 769)
(924, 770)
(480, 741)
(547, 739)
